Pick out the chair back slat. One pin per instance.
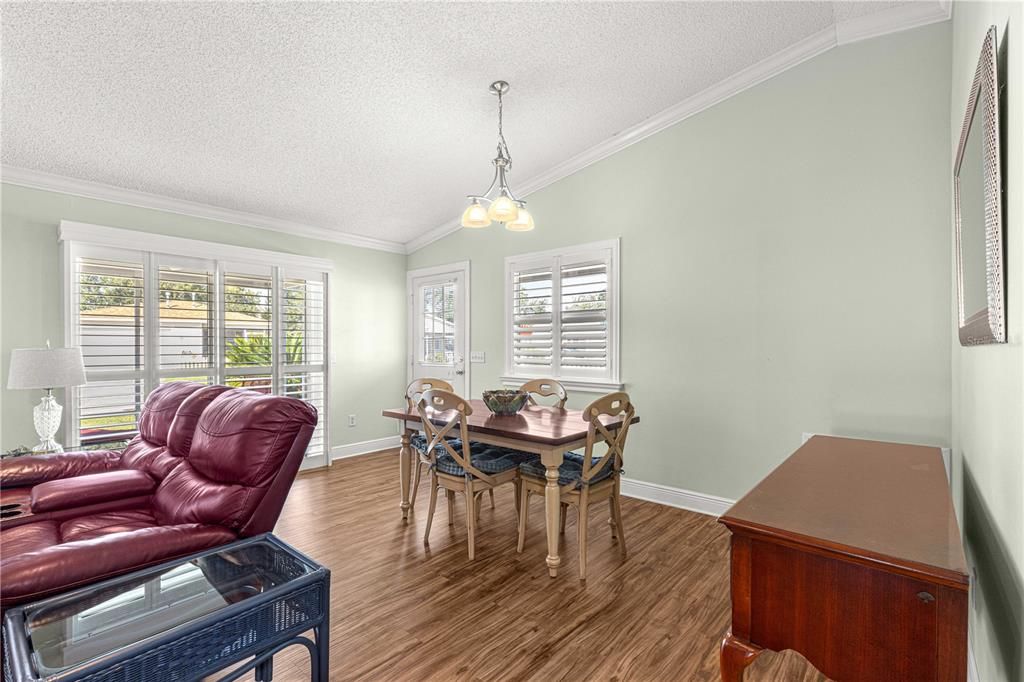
(545, 388)
(614, 405)
(418, 386)
(438, 403)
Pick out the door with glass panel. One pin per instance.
(439, 325)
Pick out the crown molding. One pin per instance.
(892, 20)
(25, 177)
(881, 23)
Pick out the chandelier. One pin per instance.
(504, 207)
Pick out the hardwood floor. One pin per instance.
(405, 611)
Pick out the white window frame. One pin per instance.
(554, 258)
(79, 240)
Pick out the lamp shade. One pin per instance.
(46, 368)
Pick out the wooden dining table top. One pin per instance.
(535, 423)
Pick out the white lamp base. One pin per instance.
(46, 418)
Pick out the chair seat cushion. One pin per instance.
(571, 470)
(419, 441)
(489, 459)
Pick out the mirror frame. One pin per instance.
(987, 325)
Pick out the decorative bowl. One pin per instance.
(505, 402)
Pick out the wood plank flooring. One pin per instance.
(402, 610)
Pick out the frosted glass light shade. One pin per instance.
(503, 210)
(523, 223)
(475, 215)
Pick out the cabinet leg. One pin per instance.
(734, 657)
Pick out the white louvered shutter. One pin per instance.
(109, 309)
(303, 349)
(533, 321)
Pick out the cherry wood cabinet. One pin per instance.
(849, 553)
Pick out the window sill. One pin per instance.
(583, 385)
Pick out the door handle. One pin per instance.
(460, 372)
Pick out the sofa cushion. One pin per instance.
(571, 470)
(90, 489)
(29, 537)
(95, 525)
(160, 408)
(183, 428)
(244, 436)
(37, 573)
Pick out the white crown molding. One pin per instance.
(25, 177)
(117, 237)
(892, 20)
(881, 23)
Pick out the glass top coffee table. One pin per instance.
(181, 620)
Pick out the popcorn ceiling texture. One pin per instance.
(368, 118)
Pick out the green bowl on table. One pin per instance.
(505, 402)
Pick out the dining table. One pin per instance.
(547, 431)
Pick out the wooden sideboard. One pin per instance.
(850, 554)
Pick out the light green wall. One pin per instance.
(784, 265)
(988, 381)
(367, 302)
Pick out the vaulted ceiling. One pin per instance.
(369, 119)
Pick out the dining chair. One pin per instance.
(458, 464)
(545, 388)
(585, 479)
(413, 392)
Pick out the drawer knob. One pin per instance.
(926, 597)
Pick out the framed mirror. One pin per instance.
(978, 205)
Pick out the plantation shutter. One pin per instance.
(303, 349)
(533, 319)
(187, 321)
(583, 328)
(108, 296)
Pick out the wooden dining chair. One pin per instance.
(413, 392)
(545, 388)
(585, 479)
(459, 465)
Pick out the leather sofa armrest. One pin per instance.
(29, 470)
(91, 489)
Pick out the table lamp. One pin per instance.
(46, 368)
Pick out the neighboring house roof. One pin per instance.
(171, 310)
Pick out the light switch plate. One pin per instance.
(478, 356)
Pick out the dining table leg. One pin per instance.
(552, 508)
(405, 472)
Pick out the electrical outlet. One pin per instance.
(351, 420)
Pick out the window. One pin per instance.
(438, 343)
(148, 317)
(562, 317)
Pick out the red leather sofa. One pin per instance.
(210, 465)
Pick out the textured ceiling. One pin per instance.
(367, 118)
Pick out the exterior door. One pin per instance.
(439, 324)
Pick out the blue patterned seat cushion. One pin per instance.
(419, 441)
(571, 470)
(490, 459)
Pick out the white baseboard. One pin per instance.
(365, 447)
(676, 497)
